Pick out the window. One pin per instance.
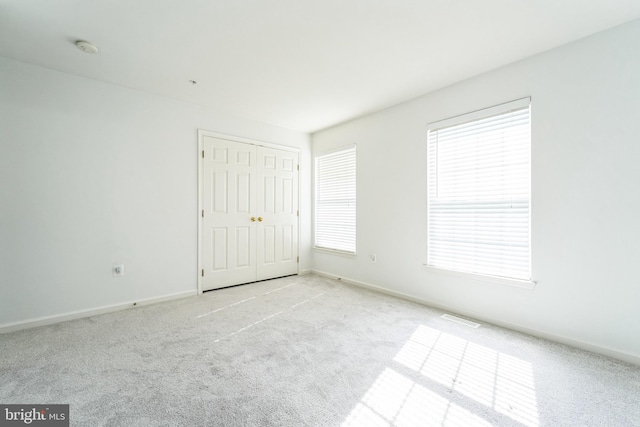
(479, 185)
(335, 206)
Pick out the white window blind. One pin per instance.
(335, 206)
(479, 185)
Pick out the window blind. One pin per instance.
(479, 185)
(335, 204)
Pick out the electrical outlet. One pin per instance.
(373, 257)
(118, 270)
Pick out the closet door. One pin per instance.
(248, 213)
(227, 232)
(277, 210)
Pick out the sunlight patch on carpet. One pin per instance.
(395, 400)
(472, 372)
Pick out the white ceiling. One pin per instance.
(299, 64)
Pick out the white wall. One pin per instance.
(92, 174)
(585, 194)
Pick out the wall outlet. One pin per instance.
(118, 270)
(373, 257)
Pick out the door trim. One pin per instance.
(201, 134)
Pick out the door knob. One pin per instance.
(253, 219)
(259, 219)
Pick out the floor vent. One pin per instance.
(465, 322)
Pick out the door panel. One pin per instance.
(277, 204)
(241, 182)
(287, 243)
(244, 246)
(268, 254)
(220, 187)
(228, 253)
(287, 196)
(219, 246)
(269, 195)
(243, 196)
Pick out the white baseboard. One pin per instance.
(50, 320)
(303, 272)
(594, 348)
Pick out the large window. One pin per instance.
(335, 204)
(479, 185)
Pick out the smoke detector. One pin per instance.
(86, 47)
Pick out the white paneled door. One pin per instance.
(248, 212)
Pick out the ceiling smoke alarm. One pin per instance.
(86, 47)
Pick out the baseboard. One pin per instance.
(304, 272)
(50, 320)
(594, 348)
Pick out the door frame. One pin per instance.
(201, 134)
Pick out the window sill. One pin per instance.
(335, 252)
(518, 283)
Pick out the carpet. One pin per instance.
(309, 351)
